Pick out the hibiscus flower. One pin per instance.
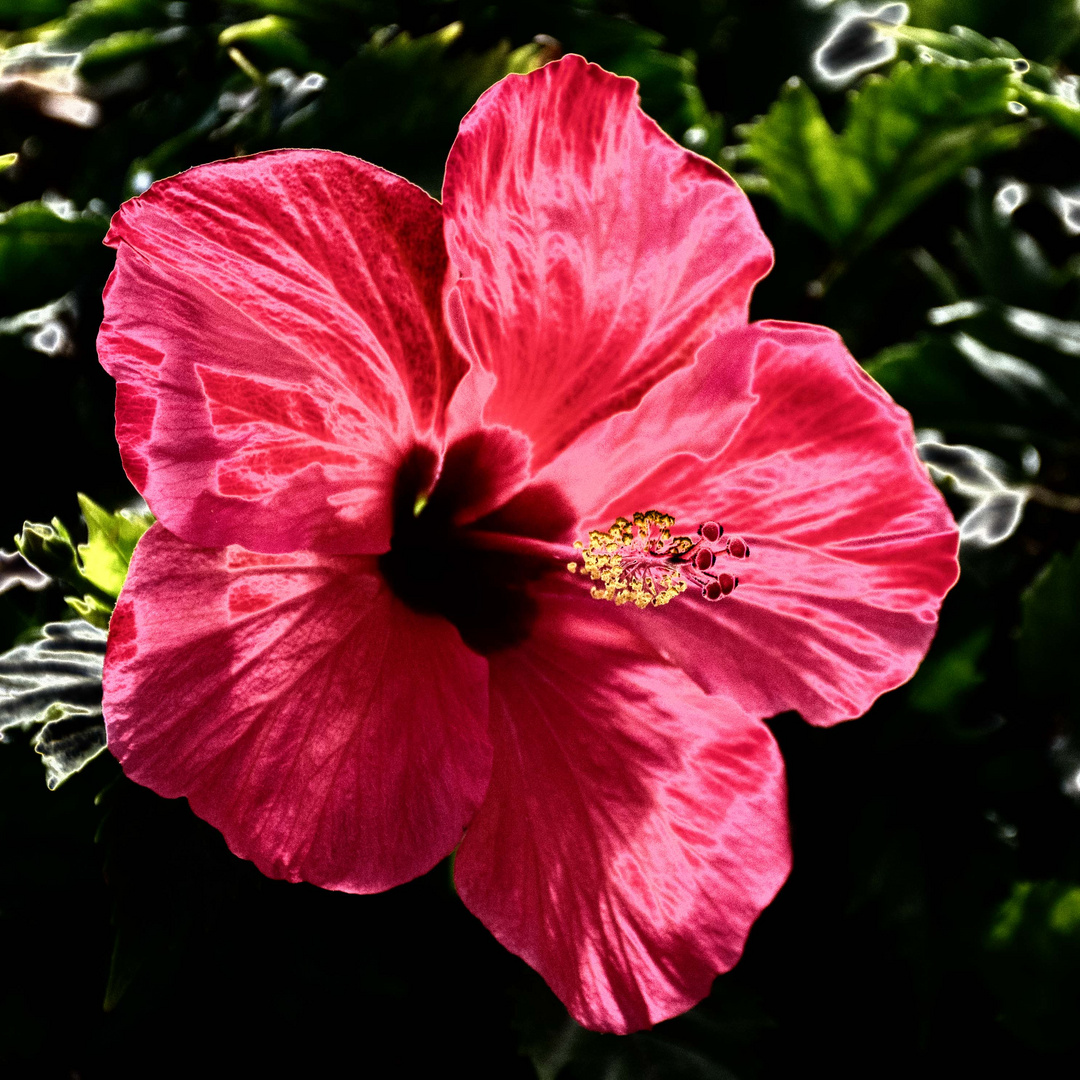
(372, 427)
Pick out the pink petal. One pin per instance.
(634, 828)
(330, 733)
(695, 410)
(274, 326)
(852, 546)
(596, 254)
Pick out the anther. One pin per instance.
(710, 532)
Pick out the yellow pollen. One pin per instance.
(631, 563)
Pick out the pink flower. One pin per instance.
(371, 425)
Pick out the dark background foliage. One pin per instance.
(929, 210)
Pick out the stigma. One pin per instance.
(641, 563)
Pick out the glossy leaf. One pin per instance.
(15, 570)
(54, 685)
(941, 386)
(50, 549)
(44, 250)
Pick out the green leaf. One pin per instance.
(1043, 31)
(1007, 262)
(90, 21)
(1059, 110)
(108, 54)
(26, 13)
(54, 684)
(94, 570)
(1049, 639)
(104, 558)
(96, 612)
(1033, 951)
(7, 160)
(50, 549)
(944, 679)
(806, 169)
(1037, 86)
(905, 136)
(938, 383)
(273, 38)
(310, 9)
(44, 252)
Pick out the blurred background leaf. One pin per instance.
(906, 135)
(1033, 951)
(1048, 642)
(44, 250)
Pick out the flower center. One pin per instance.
(478, 576)
(640, 562)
